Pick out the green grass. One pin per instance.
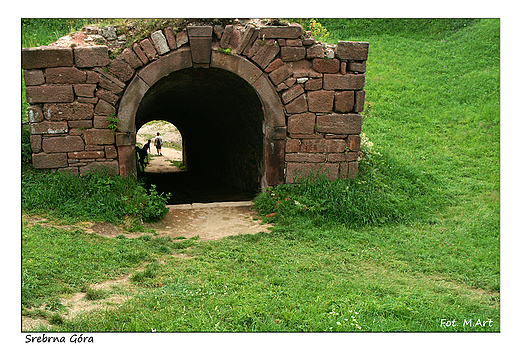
(413, 240)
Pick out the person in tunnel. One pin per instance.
(158, 143)
(146, 149)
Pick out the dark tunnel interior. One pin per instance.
(219, 116)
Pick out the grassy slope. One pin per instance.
(433, 105)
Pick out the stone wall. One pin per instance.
(73, 90)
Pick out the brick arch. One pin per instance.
(311, 95)
(274, 127)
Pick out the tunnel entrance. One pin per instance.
(220, 117)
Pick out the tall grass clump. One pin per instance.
(97, 196)
(385, 191)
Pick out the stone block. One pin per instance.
(131, 58)
(351, 50)
(344, 124)
(121, 69)
(104, 108)
(349, 169)
(280, 74)
(160, 43)
(99, 137)
(303, 69)
(170, 38)
(359, 98)
(343, 68)
(277, 63)
(110, 152)
(343, 82)
(46, 57)
(84, 90)
(292, 145)
(110, 166)
(91, 56)
(107, 96)
(80, 124)
(65, 75)
(49, 94)
(246, 39)
(336, 157)
(148, 49)
(125, 139)
(343, 101)
(200, 49)
(320, 101)
(263, 52)
(62, 144)
(92, 77)
(313, 146)
(68, 111)
(200, 31)
(90, 100)
(330, 66)
(297, 170)
(299, 105)
(354, 142)
(36, 143)
(101, 121)
(291, 54)
(294, 42)
(301, 123)
(305, 157)
(140, 53)
(315, 51)
(49, 127)
(127, 160)
(33, 77)
(226, 36)
(285, 32)
(314, 84)
(181, 38)
(359, 67)
(292, 93)
(34, 113)
(86, 154)
(55, 160)
(335, 145)
(108, 82)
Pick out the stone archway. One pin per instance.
(310, 95)
(273, 125)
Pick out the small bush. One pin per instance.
(97, 196)
(385, 191)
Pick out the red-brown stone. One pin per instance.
(121, 69)
(301, 123)
(343, 82)
(292, 145)
(84, 90)
(346, 50)
(292, 93)
(313, 146)
(140, 54)
(65, 75)
(148, 49)
(49, 94)
(343, 101)
(62, 144)
(68, 111)
(343, 124)
(286, 32)
(320, 101)
(291, 54)
(131, 58)
(99, 136)
(330, 66)
(46, 57)
(354, 142)
(55, 160)
(280, 74)
(33, 77)
(104, 108)
(91, 56)
(299, 105)
(49, 127)
(297, 170)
